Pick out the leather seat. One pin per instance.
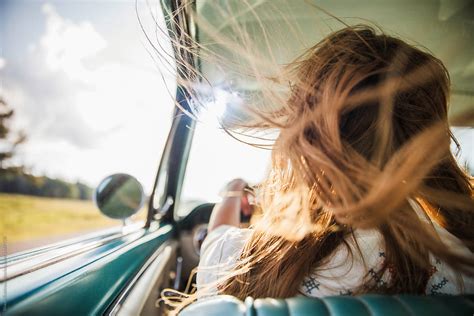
(364, 305)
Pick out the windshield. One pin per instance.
(282, 30)
(215, 159)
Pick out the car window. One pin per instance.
(465, 155)
(82, 97)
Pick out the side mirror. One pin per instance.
(119, 196)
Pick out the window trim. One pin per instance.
(172, 167)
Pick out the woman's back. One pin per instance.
(341, 274)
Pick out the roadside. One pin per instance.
(18, 246)
(28, 221)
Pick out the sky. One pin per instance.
(85, 90)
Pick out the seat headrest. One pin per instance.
(364, 305)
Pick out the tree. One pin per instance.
(8, 142)
(16, 180)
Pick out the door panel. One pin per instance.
(88, 283)
(142, 296)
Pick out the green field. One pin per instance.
(24, 218)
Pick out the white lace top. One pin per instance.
(340, 274)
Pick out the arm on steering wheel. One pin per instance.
(233, 206)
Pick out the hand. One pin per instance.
(236, 185)
(234, 203)
(237, 188)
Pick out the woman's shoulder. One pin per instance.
(360, 256)
(224, 238)
(219, 253)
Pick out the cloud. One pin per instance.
(89, 105)
(67, 45)
(44, 85)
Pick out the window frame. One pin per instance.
(172, 168)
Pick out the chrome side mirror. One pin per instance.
(119, 196)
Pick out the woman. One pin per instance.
(363, 195)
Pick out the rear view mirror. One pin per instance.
(119, 196)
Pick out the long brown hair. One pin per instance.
(363, 136)
(366, 129)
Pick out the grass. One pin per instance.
(24, 218)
